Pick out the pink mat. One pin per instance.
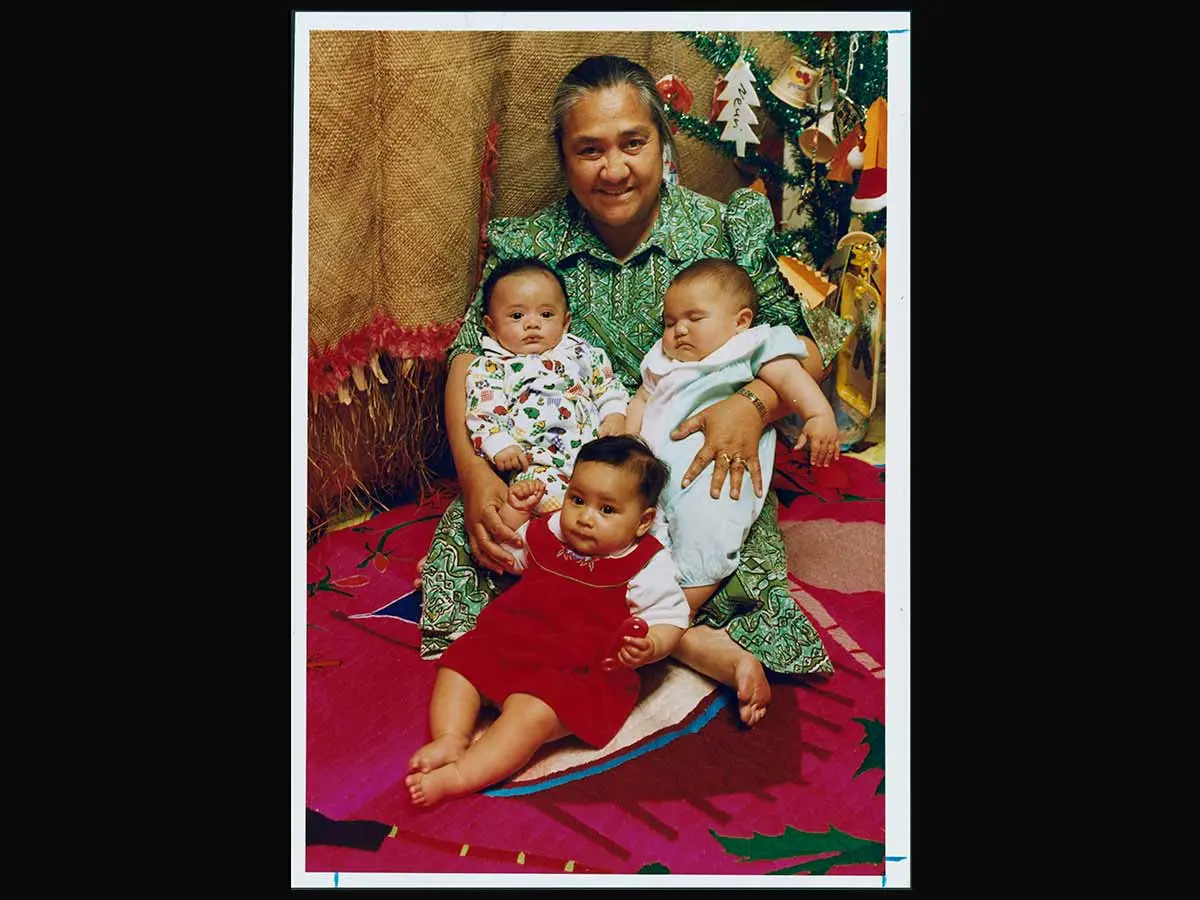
(800, 792)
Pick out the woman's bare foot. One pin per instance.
(753, 690)
(419, 579)
(438, 752)
(427, 788)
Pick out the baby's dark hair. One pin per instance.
(518, 264)
(629, 451)
(732, 280)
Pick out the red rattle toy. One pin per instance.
(634, 627)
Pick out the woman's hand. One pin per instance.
(731, 429)
(483, 496)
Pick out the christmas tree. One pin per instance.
(826, 176)
(851, 68)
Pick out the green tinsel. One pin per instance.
(723, 51)
(876, 223)
(868, 79)
(711, 134)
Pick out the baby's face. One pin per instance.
(697, 320)
(528, 312)
(603, 511)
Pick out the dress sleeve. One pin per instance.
(471, 331)
(655, 595)
(749, 222)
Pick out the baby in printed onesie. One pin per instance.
(707, 352)
(537, 394)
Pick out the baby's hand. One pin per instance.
(821, 434)
(511, 458)
(524, 495)
(614, 423)
(636, 651)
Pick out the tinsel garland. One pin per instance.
(711, 134)
(876, 223)
(828, 201)
(868, 79)
(723, 51)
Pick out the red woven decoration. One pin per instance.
(491, 163)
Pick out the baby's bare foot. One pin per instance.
(438, 752)
(753, 690)
(428, 788)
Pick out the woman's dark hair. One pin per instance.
(629, 451)
(597, 73)
(518, 264)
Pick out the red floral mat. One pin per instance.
(801, 793)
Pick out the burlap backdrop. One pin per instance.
(398, 122)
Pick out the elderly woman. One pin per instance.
(618, 238)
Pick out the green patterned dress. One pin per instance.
(618, 306)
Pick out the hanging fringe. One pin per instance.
(329, 370)
(383, 444)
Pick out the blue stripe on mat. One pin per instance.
(721, 701)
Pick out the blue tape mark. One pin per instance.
(721, 701)
(895, 858)
(335, 879)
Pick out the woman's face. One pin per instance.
(613, 162)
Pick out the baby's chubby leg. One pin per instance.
(524, 724)
(453, 709)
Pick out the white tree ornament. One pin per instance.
(737, 115)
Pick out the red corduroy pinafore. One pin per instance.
(547, 634)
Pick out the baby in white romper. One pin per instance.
(707, 352)
(537, 394)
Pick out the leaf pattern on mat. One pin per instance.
(325, 584)
(847, 849)
(654, 868)
(380, 556)
(874, 740)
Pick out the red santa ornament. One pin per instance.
(871, 195)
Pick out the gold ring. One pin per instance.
(725, 457)
(738, 461)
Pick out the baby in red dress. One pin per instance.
(537, 649)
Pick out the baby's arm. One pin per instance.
(523, 496)
(609, 394)
(659, 643)
(488, 418)
(791, 381)
(637, 409)
(656, 597)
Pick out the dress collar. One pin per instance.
(674, 232)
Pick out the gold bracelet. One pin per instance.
(756, 400)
